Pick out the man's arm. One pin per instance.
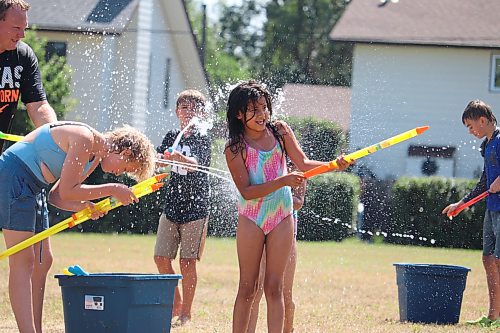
(41, 113)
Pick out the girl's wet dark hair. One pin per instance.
(240, 96)
(477, 109)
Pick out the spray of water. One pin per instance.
(196, 167)
(192, 165)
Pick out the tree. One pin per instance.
(241, 35)
(56, 76)
(296, 44)
(290, 45)
(221, 63)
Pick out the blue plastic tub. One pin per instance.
(430, 293)
(118, 302)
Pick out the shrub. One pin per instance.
(417, 204)
(140, 218)
(375, 197)
(330, 206)
(223, 208)
(320, 140)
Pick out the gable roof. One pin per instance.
(114, 17)
(322, 102)
(467, 23)
(110, 16)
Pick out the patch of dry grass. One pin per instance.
(340, 287)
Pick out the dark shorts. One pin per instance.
(491, 234)
(23, 202)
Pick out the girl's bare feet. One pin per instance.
(176, 311)
(181, 321)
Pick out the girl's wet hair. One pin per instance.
(142, 150)
(477, 109)
(240, 96)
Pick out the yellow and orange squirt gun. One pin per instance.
(140, 189)
(366, 151)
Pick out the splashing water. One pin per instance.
(181, 133)
(356, 230)
(200, 168)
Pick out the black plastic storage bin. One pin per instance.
(118, 302)
(430, 293)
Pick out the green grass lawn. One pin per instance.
(340, 287)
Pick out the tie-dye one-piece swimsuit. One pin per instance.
(264, 166)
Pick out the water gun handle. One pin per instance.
(321, 169)
(168, 152)
(469, 203)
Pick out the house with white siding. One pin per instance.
(130, 59)
(419, 63)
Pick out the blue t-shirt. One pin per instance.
(490, 150)
(491, 153)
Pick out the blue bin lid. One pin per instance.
(123, 276)
(432, 269)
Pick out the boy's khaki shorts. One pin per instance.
(190, 236)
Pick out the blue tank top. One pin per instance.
(43, 149)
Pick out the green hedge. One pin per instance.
(223, 196)
(223, 208)
(416, 206)
(320, 140)
(140, 218)
(330, 207)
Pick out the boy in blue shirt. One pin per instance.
(481, 123)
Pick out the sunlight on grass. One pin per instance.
(340, 287)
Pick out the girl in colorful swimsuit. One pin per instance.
(256, 156)
(65, 154)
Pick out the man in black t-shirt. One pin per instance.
(20, 79)
(19, 73)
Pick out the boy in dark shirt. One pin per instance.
(185, 216)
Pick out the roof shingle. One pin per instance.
(71, 15)
(470, 23)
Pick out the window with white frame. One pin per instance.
(495, 73)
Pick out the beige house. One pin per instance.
(419, 63)
(130, 58)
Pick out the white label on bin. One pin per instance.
(93, 302)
